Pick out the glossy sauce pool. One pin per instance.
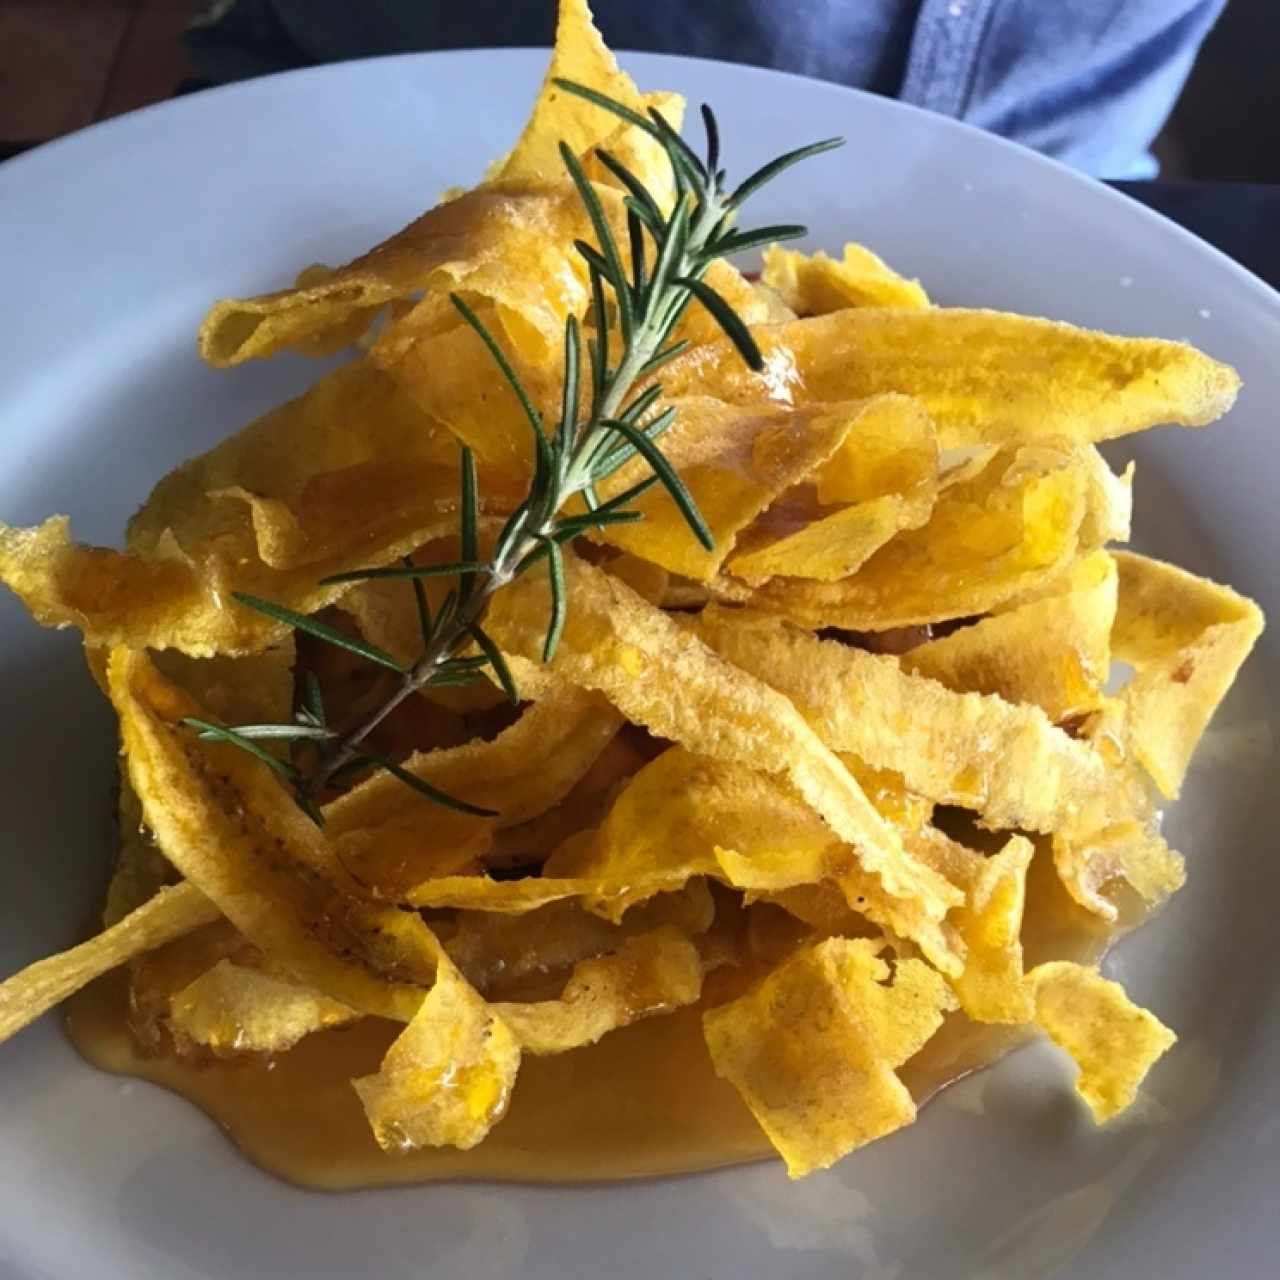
(642, 1102)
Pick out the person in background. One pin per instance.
(1090, 82)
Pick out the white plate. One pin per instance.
(113, 243)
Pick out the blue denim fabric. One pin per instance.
(1088, 81)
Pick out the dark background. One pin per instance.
(67, 63)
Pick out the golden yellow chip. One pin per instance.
(1132, 850)
(347, 464)
(992, 987)
(660, 676)
(813, 1047)
(833, 547)
(893, 448)
(579, 54)
(499, 953)
(448, 372)
(1113, 1041)
(466, 244)
(169, 599)
(1053, 651)
(533, 764)
(447, 1078)
(226, 824)
(815, 284)
(1187, 637)
(685, 816)
(1005, 760)
(232, 1009)
(650, 975)
(734, 462)
(986, 541)
(985, 377)
(37, 988)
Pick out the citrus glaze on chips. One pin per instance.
(834, 795)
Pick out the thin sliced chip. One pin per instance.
(650, 975)
(447, 1078)
(886, 470)
(169, 914)
(986, 377)
(1187, 637)
(1114, 1042)
(813, 1047)
(637, 151)
(1108, 502)
(447, 370)
(833, 547)
(532, 765)
(686, 815)
(734, 462)
(986, 541)
(155, 976)
(253, 689)
(232, 1009)
(992, 988)
(1053, 651)
(500, 953)
(1131, 850)
(660, 676)
(815, 284)
(579, 54)
(893, 448)
(336, 467)
(466, 244)
(172, 601)
(226, 824)
(1007, 761)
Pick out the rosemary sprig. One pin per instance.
(637, 299)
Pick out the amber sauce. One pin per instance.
(642, 1102)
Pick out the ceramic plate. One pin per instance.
(114, 242)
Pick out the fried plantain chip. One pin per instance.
(579, 54)
(893, 448)
(651, 974)
(813, 1047)
(985, 377)
(992, 987)
(1132, 850)
(447, 1078)
(169, 599)
(337, 467)
(1005, 760)
(1186, 637)
(225, 823)
(466, 244)
(834, 546)
(170, 913)
(534, 763)
(501, 953)
(816, 284)
(1113, 1041)
(660, 676)
(734, 462)
(1053, 650)
(232, 1009)
(990, 538)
